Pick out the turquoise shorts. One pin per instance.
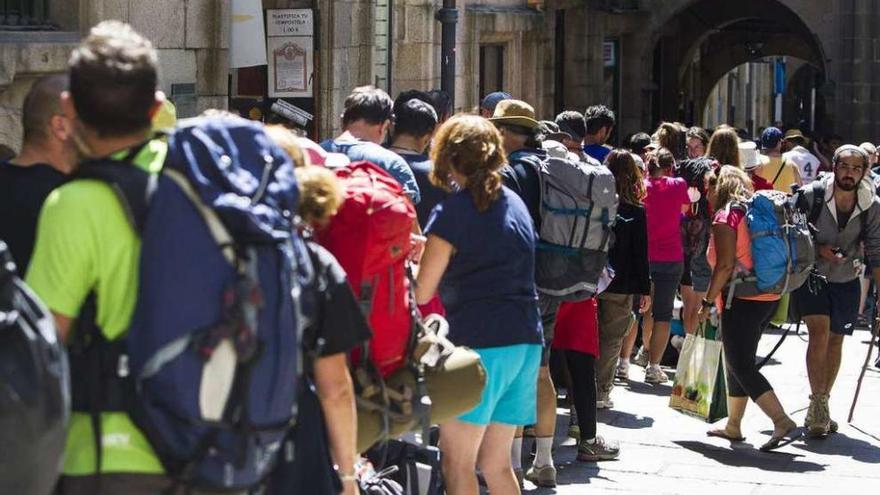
(510, 395)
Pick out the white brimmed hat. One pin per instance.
(749, 159)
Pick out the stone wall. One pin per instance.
(191, 37)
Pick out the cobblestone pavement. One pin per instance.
(664, 452)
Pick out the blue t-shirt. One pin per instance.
(488, 288)
(431, 195)
(389, 161)
(597, 151)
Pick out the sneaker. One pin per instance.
(622, 372)
(604, 402)
(599, 450)
(653, 374)
(641, 358)
(543, 476)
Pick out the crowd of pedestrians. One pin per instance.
(471, 191)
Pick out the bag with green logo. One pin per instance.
(699, 388)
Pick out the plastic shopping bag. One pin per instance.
(699, 389)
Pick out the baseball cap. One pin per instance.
(639, 142)
(492, 99)
(551, 131)
(770, 138)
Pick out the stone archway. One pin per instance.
(699, 42)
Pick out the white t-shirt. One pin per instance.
(807, 163)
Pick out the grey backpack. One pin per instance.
(578, 211)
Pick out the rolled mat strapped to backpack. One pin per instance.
(454, 378)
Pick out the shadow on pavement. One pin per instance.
(571, 473)
(842, 445)
(647, 388)
(623, 419)
(749, 457)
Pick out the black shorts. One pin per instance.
(838, 301)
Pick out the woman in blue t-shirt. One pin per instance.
(480, 256)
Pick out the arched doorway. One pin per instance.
(706, 39)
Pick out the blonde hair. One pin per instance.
(724, 146)
(320, 194)
(470, 146)
(286, 140)
(733, 185)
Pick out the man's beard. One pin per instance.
(846, 184)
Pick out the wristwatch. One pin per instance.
(707, 303)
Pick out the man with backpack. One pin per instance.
(47, 156)
(519, 130)
(85, 241)
(599, 121)
(845, 215)
(367, 117)
(173, 270)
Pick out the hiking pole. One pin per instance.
(874, 329)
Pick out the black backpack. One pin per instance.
(695, 225)
(34, 384)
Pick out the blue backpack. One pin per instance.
(782, 247)
(210, 366)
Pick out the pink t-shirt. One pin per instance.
(666, 195)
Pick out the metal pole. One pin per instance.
(448, 17)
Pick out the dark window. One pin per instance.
(25, 15)
(491, 69)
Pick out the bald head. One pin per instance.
(40, 105)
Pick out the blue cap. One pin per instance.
(492, 99)
(770, 138)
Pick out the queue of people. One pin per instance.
(465, 203)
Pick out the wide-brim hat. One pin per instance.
(515, 112)
(749, 159)
(794, 135)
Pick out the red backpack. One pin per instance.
(370, 237)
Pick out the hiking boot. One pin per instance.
(543, 476)
(653, 374)
(622, 372)
(641, 358)
(604, 402)
(818, 420)
(599, 450)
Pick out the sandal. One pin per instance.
(788, 437)
(722, 433)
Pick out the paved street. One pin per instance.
(664, 452)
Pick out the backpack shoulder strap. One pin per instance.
(133, 186)
(817, 203)
(778, 172)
